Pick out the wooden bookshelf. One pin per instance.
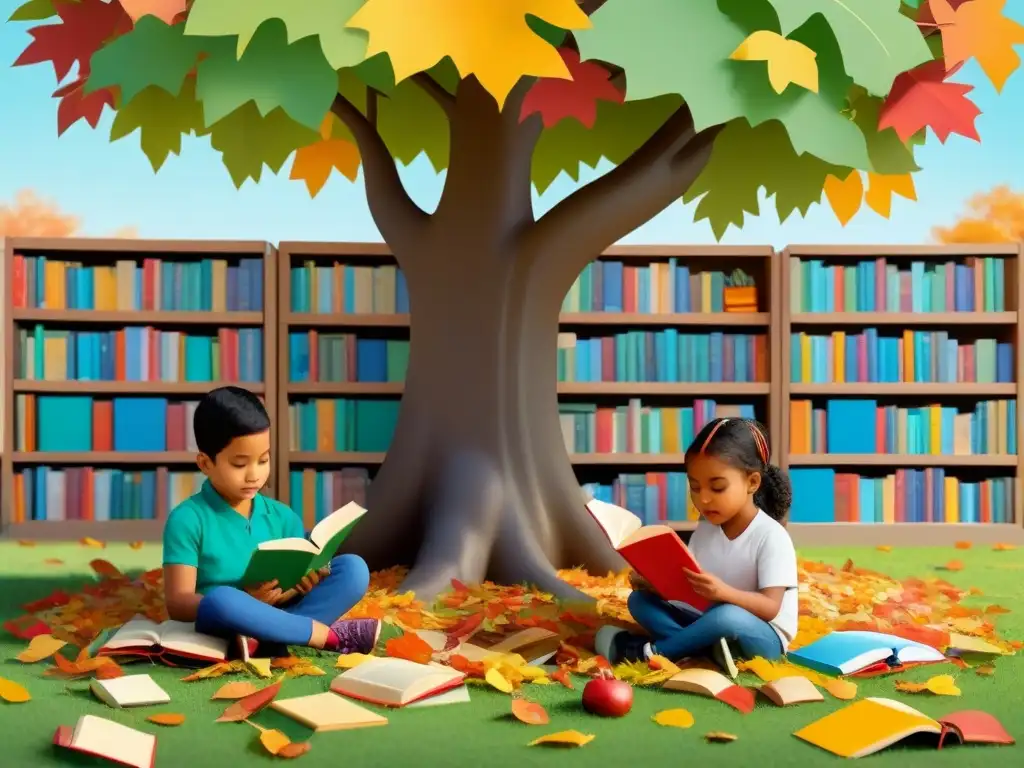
(89, 252)
(1005, 324)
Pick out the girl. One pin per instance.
(747, 560)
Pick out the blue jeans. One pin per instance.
(228, 611)
(677, 632)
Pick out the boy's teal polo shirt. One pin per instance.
(206, 533)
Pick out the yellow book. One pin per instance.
(952, 491)
(934, 430)
(889, 499)
(908, 356)
(805, 358)
(670, 431)
(839, 356)
(867, 726)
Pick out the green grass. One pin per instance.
(482, 732)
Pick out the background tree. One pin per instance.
(703, 99)
(29, 215)
(996, 216)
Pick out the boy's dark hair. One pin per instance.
(743, 444)
(224, 414)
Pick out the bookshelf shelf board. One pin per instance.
(335, 457)
(676, 318)
(872, 389)
(103, 457)
(346, 388)
(348, 320)
(904, 319)
(624, 459)
(898, 460)
(903, 534)
(127, 387)
(698, 389)
(653, 252)
(135, 317)
(73, 530)
(933, 253)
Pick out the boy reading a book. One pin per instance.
(209, 538)
(747, 560)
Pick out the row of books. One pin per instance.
(82, 424)
(976, 284)
(863, 426)
(348, 289)
(314, 494)
(898, 357)
(85, 493)
(654, 497)
(209, 285)
(664, 356)
(655, 288)
(315, 356)
(342, 424)
(933, 495)
(138, 353)
(637, 428)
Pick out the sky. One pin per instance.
(111, 185)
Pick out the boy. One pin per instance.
(209, 538)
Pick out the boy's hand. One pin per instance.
(708, 586)
(639, 583)
(311, 579)
(268, 592)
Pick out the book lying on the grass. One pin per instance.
(112, 741)
(129, 691)
(966, 645)
(787, 691)
(870, 725)
(396, 682)
(327, 712)
(655, 551)
(457, 695)
(535, 644)
(288, 560)
(848, 653)
(708, 682)
(170, 642)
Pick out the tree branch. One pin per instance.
(398, 218)
(590, 6)
(436, 91)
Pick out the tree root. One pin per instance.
(519, 558)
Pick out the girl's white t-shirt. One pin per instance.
(762, 556)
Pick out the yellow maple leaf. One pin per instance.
(789, 61)
(488, 39)
(882, 187)
(845, 195)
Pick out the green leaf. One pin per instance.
(886, 152)
(151, 54)
(546, 31)
(248, 140)
(321, 19)
(619, 131)
(411, 123)
(877, 41)
(912, 3)
(271, 73)
(745, 159)
(35, 10)
(161, 120)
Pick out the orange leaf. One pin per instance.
(979, 30)
(964, 544)
(40, 647)
(467, 667)
(561, 675)
(294, 749)
(235, 691)
(409, 646)
(845, 195)
(26, 543)
(884, 548)
(1003, 547)
(109, 671)
(985, 670)
(952, 565)
(882, 187)
(841, 689)
(413, 619)
(250, 705)
(995, 609)
(53, 561)
(81, 667)
(13, 693)
(529, 712)
(167, 718)
(719, 737)
(563, 739)
(313, 163)
(92, 543)
(105, 569)
(135, 544)
(165, 10)
(274, 741)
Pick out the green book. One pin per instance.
(288, 560)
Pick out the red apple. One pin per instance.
(607, 697)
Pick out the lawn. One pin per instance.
(483, 732)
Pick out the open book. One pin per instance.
(170, 642)
(129, 691)
(288, 560)
(654, 551)
(396, 682)
(327, 712)
(715, 685)
(848, 653)
(112, 741)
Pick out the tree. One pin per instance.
(996, 216)
(702, 99)
(31, 216)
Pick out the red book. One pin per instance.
(654, 551)
(99, 737)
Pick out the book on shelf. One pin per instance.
(129, 691)
(99, 737)
(891, 356)
(975, 284)
(855, 652)
(856, 426)
(175, 643)
(393, 682)
(349, 289)
(142, 283)
(318, 492)
(342, 424)
(654, 551)
(931, 495)
(322, 712)
(288, 560)
(664, 356)
(654, 497)
(343, 357)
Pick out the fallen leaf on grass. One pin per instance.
(994, 609)
(92, 543)
(884, 548)
(676, 718)
(1003, 547)
(952, 565)
(561, 675)
(352, 660)
(167, 718)
(235, 691)
(53, 561)
(40, 647)
(964, 544)
(245, 708)
(719, 737)
(841, 689)
(105, 569)
(940, 685)
(259, 667)
(13, 693)
(409, 646)
(135, 544)
(26, 543)
(529, 712)
(497, 680)
(84, 666)
(215, 670)
(563, 739)
(279, 745)
(985, 670)
(297, 666)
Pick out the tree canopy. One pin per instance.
(816, 96)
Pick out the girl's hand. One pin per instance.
(268, 592)
(311, 579)
(708, 586)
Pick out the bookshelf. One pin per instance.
(578, 317)
(179, 310)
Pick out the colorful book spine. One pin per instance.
(891, 357)
(863, 426)
(933, 495)
(208, 285)
(654, 497)
(80, 424)
(976, 284)
(138, 354)
(663, 356)
(348, 289)
(86, 493)
(338, 357)
(340, 424)
(636, 428)
(315, 494)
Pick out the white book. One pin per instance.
(142, 637)
(458, 695)
(104, 738)
(129, 691)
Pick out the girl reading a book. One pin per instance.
(747, 561)
(209, 538)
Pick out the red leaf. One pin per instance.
(76, 104)
(463, 630)
(557, 99)
(923, 98)
(409, 646)
(85, 26)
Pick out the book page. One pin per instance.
(132, 691)
(334, 524)
(294, 545)
(114, 741)
(388, 679)
(327, 711)
(705, 680)
(618, 523)
(182, 637)
(138, 632)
